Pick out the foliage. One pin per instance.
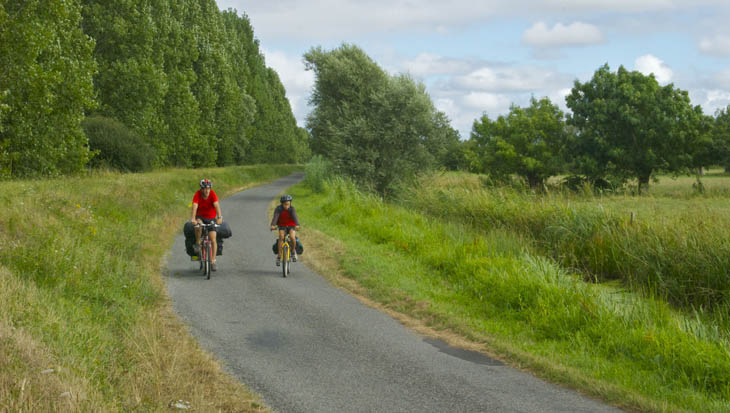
(46, 69)
(721, 138)
(316, 173)
(116, 146)
(630, 127)
(528, 142)
(376, 128)
(192, 82)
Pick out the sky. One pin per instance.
(480, 57)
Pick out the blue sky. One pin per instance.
(481, 57)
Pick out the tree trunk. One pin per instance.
(700, 187)
(644, 182)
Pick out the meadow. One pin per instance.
(570, 286)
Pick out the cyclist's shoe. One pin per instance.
(213, 266)
(294, 257)
(278, 261)
(196, 249)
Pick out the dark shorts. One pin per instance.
(207, 221)
(286, 229)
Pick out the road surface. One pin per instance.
(306, 346)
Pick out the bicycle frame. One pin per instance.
(206, 248)
(286, 255)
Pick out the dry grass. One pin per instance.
(32, 379)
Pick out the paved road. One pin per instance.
(309, 347)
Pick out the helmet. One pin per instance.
(206, 183)
(285, 198)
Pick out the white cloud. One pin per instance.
(651, 64)
(487, 102)
(427, 64)
(560, 35)
(718, 45)
(512, 78)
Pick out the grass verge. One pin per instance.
(488, 287)
(85, 322)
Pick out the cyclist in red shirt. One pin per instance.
(285, 218)
(206, 209)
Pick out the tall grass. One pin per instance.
(672, 248)
(484, 282)
(82, 258)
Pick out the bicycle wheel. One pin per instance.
(284, 259)
(288, 259)
(208, 259)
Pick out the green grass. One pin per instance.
(491, 283)
(83, 259)
(676, 248)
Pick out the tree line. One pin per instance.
(382, 129)
(623, 126)
(136, 84)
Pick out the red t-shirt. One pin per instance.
(205, 206)
(286, 220)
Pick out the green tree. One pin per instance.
(630, 127)
(46, 69)
(376, 128)
(527, 142)
(721, 138)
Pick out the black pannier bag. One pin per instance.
(189, 231)
(299, 247)
(223, 231)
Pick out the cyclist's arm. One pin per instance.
(218, 214)
(294, 216)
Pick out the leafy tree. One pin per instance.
(630, 127)
(527, 142)
(721, 138)
(701, 145)
(376, 128)
(46, 69)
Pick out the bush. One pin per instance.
(116, 146)
(316, 173)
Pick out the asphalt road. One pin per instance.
(306, 346)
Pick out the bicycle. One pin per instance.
(206, 248)
(286, 255)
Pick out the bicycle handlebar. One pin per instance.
(212, 224)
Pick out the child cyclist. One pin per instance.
(285, 218)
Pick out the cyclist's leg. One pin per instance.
(198, 234)
(293, 243)
(213, 236)
(282, 236)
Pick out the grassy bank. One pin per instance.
(84, 323)
(491, 286)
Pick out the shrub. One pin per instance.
(316, 173)
(117, 146)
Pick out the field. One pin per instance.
(630, 310)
